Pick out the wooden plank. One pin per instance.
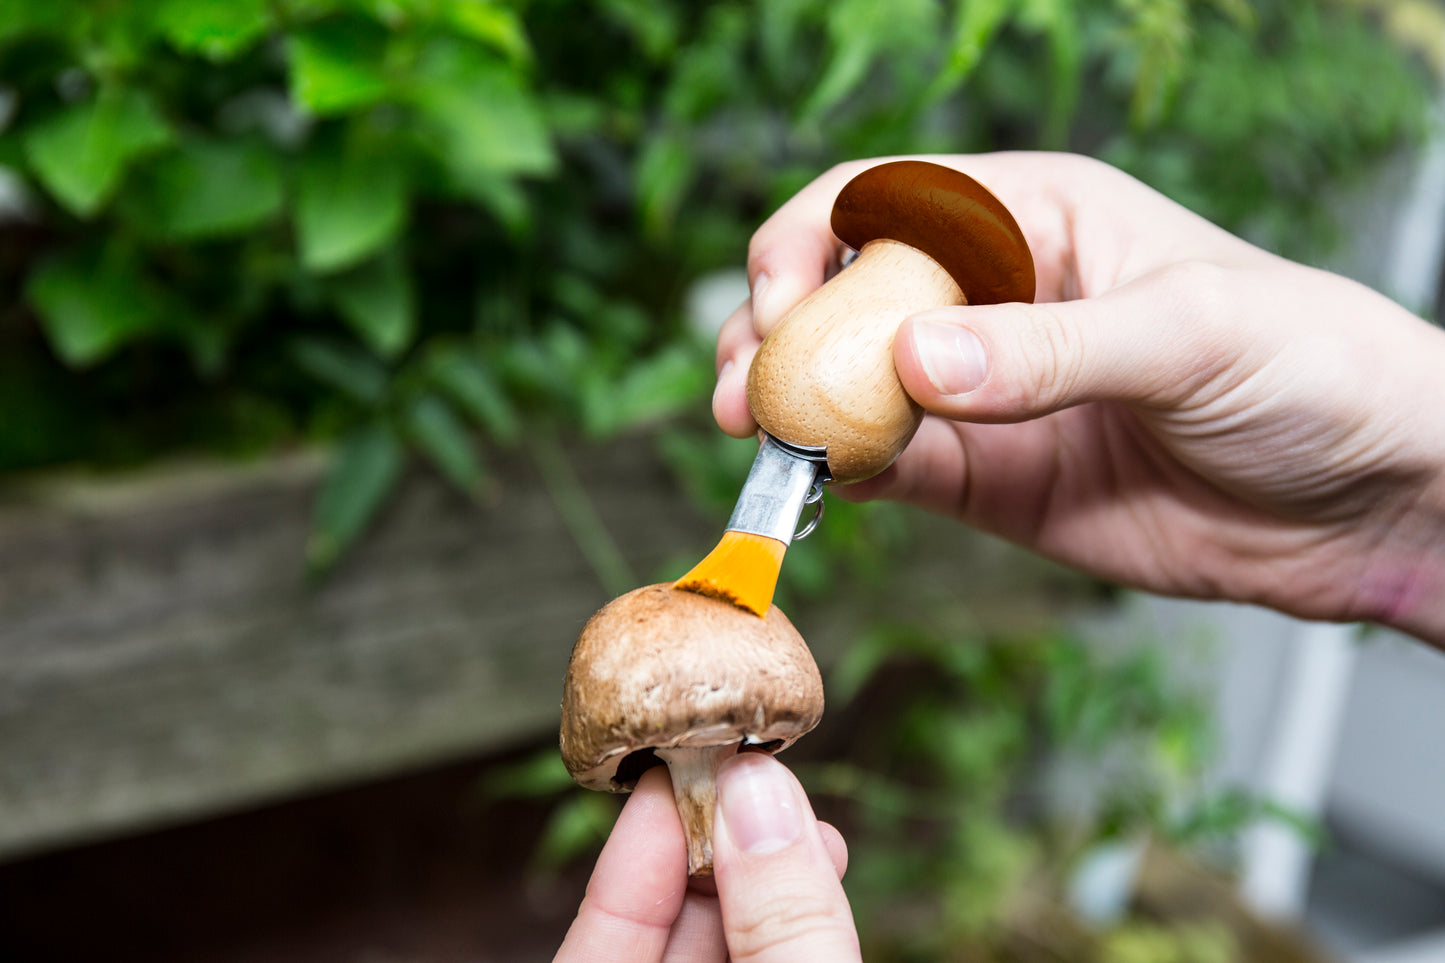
(162, 656)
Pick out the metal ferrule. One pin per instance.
(782, 480)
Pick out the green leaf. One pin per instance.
(1161, 33)
(363, 472)
(344, 367)
(463, 378)
(653, 26)
(660, 386)
(977, 23)
(81, 153)
(336, 66)
(845, 71)
(502, 196)
(206, 189)
(861, 32)
(440, 434)
(541, 774)
(578, 825)
(479, 114)
(1057, 20)
(218, 30)
(490, 23)
(703, 81)
(549, 366)
(1239, 11)
(91, 302)
(350, 203)
(377, 300)
(664, 172)
(25, 18)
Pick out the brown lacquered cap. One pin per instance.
(945, 214)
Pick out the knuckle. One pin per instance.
(1052, 354)
(782, 927)
(758, 246)
(1200, 288)
(1200, 315)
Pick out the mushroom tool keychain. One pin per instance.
(691, 672)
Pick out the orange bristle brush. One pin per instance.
(743, 569)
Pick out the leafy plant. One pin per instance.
(982, 772)
(440, 226)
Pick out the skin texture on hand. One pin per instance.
(1181, 411)
(775, 896)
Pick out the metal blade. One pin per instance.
(782, 480)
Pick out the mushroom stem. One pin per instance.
(694, 786)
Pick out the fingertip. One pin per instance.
(654, 782)
(777, 876)
(779, 290)
(650, 813)
(940, 358)
(761, 804)
(836, 845)
(736, 335)
(730, 397)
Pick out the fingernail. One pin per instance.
(953, 357)
(758, 804)
(721, 376)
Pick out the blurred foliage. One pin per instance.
(984, 774)
(981, 777)
(442, 226)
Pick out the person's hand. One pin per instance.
(776, 898)
(1181, 412)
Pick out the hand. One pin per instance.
(775, 896)
(1181, 412)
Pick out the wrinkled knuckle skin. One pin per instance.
(1053, 357)
(781, 929)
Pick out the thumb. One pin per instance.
(777, 885)
(1149, 342)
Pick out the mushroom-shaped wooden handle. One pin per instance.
(927, 236)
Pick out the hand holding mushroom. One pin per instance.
(776, 899)
(667, 674)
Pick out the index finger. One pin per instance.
(637, 889)
(791, 253)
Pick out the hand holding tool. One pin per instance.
(823, 386)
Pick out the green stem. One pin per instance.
(579, 514)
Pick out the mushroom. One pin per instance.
(662, 675)
(927, 236)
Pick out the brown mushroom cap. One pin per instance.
(662, 667)
(945, 214)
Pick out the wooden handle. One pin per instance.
(824, 377)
